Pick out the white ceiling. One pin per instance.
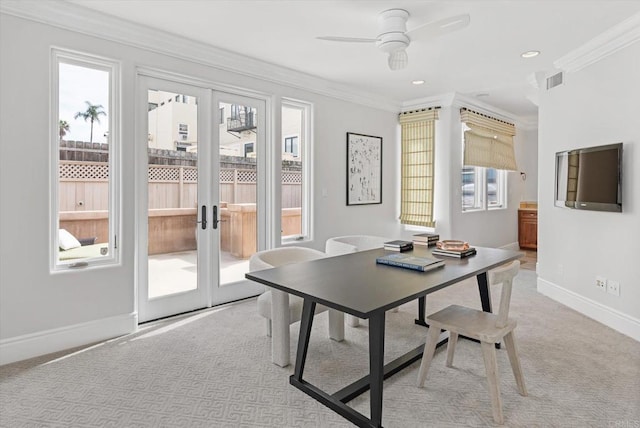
(482, 58)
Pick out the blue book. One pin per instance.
(407, 261)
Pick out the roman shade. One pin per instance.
(417, 166)
(488, 142)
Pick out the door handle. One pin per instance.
(203, 222)
(215, 217)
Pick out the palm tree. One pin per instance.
(63, 128)
(92, 113)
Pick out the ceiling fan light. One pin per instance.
(398, 60)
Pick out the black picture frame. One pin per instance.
(364, 169)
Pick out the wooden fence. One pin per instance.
(84, 186)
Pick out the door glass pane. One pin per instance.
(83, 168)
(173, 195)
(238, 190)
(292, 171)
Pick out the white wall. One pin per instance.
(527, 157)
(43, 312)
(596, 105)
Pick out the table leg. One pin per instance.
(280, 320)
(422, 310)
(308, 309)
(376, 365)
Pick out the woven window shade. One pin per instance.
(488, 142)
(417, 137)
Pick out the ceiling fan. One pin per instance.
(393, 37)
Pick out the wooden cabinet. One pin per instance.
(528, 229)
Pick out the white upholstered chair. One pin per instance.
(486, 327)
(351, 244)
(273, 304)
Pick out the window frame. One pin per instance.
(305, 151)
(113, 68)
(292, 143)
(501, 189)
(481, 180)
(481, 199)
(250, 145)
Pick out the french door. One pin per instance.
(200, 196)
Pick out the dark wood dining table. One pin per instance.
(355, 284)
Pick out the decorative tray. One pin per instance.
(452, 245)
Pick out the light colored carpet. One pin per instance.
(212, 369)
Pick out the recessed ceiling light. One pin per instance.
(482, 94)
(418, 82)
(530, 54)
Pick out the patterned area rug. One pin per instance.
(212, 369)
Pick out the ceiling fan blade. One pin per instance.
(347, 39)
(439, 28)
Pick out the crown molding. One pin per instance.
(607, 43)
(454, 99)
(461, 100)
(72, 17)
(442, 100)
(521, 122)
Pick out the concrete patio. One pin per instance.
(176, 272)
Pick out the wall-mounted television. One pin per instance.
(590, 178)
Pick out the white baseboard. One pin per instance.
(617, 320)
(58, 339)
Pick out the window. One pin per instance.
(248, 148)
(235, 111)
(417, 167)
(296, 171)
(182, 147)
(483, 188)
(84, 139)
(183, 131)
(291, 145)
(488, 153)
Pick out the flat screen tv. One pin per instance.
(590, 178)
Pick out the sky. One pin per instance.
(77, 85)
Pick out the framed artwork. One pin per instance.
(364, 169)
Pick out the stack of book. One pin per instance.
(425, 239)
(398, 245)
(452, 248)
(407, 261)
(454, 253)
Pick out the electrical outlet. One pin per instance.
(601, 283)
(613, 287)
